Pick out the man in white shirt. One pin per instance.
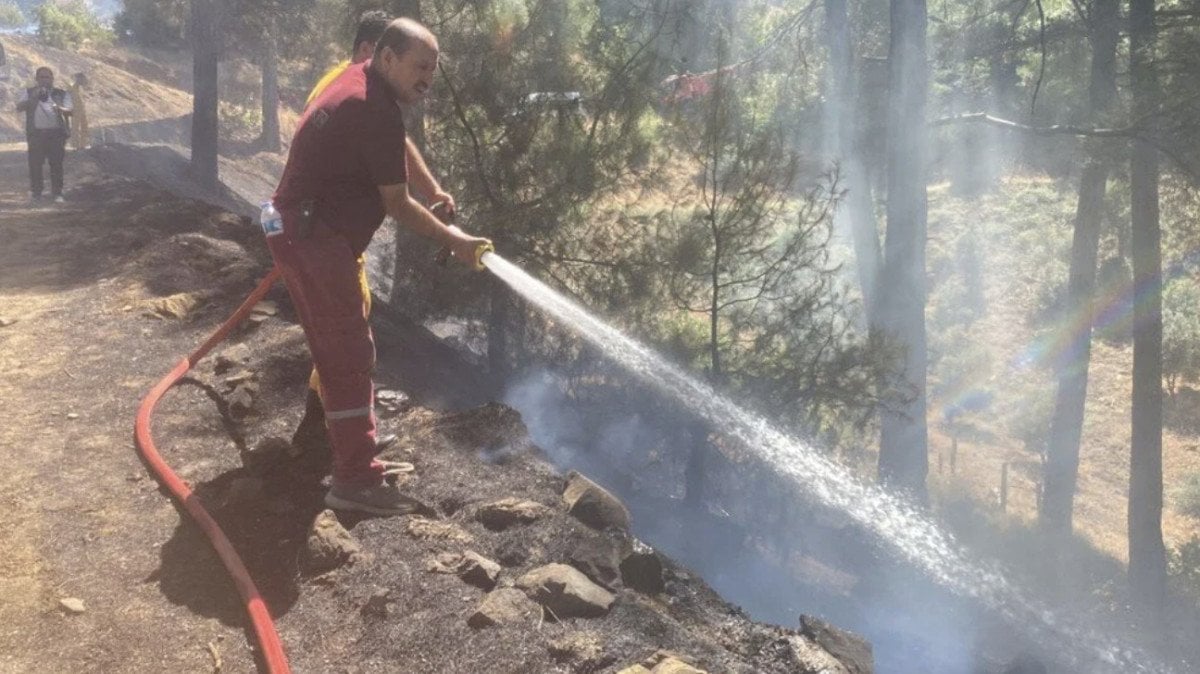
(47, 127)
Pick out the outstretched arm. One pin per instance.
(422, 179)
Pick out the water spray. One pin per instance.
(909, 532)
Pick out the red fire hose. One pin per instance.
(260, 618)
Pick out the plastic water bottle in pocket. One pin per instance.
(271, 221)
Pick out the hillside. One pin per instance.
(101, 573)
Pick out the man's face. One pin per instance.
(45, 80)
(410, 75)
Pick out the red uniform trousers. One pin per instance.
(322, 276)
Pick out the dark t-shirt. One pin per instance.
(350, 141)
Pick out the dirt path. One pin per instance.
(78, 516)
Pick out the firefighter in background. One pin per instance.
(80, 135)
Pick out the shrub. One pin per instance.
(1181, 332)
(11, 15)
(1183, 564)
(1187, 496)
(71, 24)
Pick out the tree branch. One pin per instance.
(1052, 130)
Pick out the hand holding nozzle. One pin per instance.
(467, 249)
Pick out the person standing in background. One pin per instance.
(47, 126)
(80, 135)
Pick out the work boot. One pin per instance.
(380, 499)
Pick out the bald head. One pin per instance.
(406, 56)
(402, 34)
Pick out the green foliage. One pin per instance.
(1187, 496)
(71, 24)
(11, 15)
(154, 23)
(1181, 332)
(1183, 564)
(240, 122)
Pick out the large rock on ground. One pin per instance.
(477, 570)
(329, 545)
(662, 662)
(594, 505)
(851, 650)
(502, 514)
(565, 592)
(599, 559)
(642, 569)
(505, 606)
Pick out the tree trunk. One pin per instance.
(859, 207)
(270, 92)
(1147, 558)
(1066, 426)
(206, 52)
(903, 450)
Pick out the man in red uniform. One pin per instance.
(345, 171)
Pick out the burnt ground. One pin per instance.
(99, 297)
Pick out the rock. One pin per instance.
(241, 400)
(500, 515)
(505, 606)
(444, 562)
(268, 453)
(662, 662)
(848, 648)
(583, 649)
(594, 505)
(434, 530)
(5, 322)
(243, 489)
(266, 308)
(178, 305)
(392, 401)
(641, 569)
(477, 570)
(566, 592)
(377, 604)
(238, 377)
(599, 559)
(329, 545)
(235, 356)
(72, 415)
(807, 657)
(72, 606)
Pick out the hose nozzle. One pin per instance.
(482, 248)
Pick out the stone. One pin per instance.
(583, 649)
(235, 356)
(266, 307)
(594, 505)
(72, 606)
(5, 322)
(178, 305)
(599, 559)
(434, 530)
(241, 399)
(505, 606)
(808, 657)
(329, 545)
(848, 648)
(642, 569)
(502, 514)
(565, 592)
(377, 604)
(269, 452)
(662, 662)
(475, 569)
(444, 562)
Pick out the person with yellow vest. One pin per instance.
(80, 135)
(312, 434)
